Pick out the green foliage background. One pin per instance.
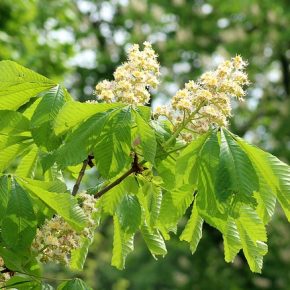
(81, 42)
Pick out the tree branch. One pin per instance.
(135, 168)
(86, 162)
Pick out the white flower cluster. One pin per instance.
(56, 239)
(208, 101)
(4, 277)
(132, 79)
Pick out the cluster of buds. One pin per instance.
(132, 79)
(56, 239)
(208, 101)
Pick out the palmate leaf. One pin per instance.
(43, 118)
(192, 232)
(28, 163)
(8, 154)
(112, 150)
(4, 195)
(19, 224)
(236, 174)
(63, 204)
(74, 113)
(129, 213)
(150, 197)
(79, 255)
(19, 84)
(147, 137)
(274, 176)
(12, 122)
(123, 244)
(154, 241)
(110, 201)
(80, 143)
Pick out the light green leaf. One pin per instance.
(123, 244)
(236, 175)
(154, 241)
(63, 204)
(28, 163)
(129, 213)
(147, 138)
(232, 242)
(112, 198)
(274, 177)
(44, 116)
(19, 223)
(19, 84)
(79, 255)
(192, 232)
(8, 154)
(75, 284)
(74, 113)
(112, 151)
(253, 250)
(12, 122)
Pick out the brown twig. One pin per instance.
(135, 168)
(86, 162)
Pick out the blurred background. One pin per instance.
(80, 42)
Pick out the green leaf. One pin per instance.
(81, 142)
(274, 177)
(253, 250)
(19, 223)
(13, 261)
(75, 284)
(79, 255)
(174, 205)
(8, 154)
(147, 138)
(150, 198)
(25, 283)
(232, 242)
(12, 122)
(188, 159)
(112, 151)
(154, 241)
(28, 163)
(68, 119)
(129, 213)
(236, 175)
(19, 84)
(123, 244)
(63, 204)
(44, 116)
(4, 195)
(192, 232)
